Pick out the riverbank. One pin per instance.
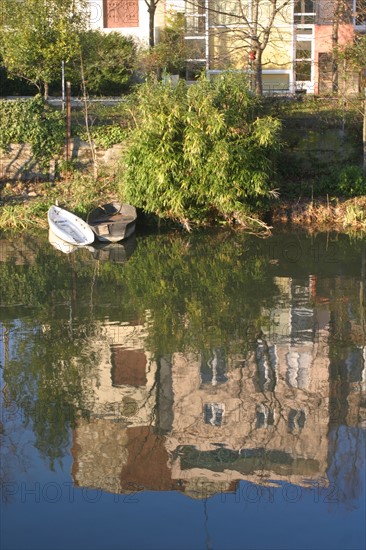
(321, 214)
(316, 170)
(23, 206)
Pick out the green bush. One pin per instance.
(34, 122)
(10, 86)
(352, 182)
(105, 136)
(200, 152)
(108, 61)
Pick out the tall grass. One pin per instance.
(79, 194)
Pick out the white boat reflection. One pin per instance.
(60, 244)
(113, 252)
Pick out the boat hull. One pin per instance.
(68, 227)
(113, 222)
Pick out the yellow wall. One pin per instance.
(229, 47)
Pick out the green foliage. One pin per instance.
(34, 122)
(346, 182)
(170, 53)
(354, 53)
(108, 60)
(105, 136)
(352, 182)
(14, 86)
(200, 152)
(36, 35)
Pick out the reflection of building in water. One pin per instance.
(200, 422)
(269, 416)
(348, 386)
(356, 377)
(123, 397)
(300, 329)
(123, 386)
(118, 459)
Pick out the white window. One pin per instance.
(304, 12)
(264, 416)
(296, 420)
(213, 413)
(266, 358)
(359, 10)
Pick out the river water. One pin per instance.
(202, 391)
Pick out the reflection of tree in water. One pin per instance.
(45, 376)
(347, 463)
(14, 449)
(200, 296)
(202, 291)
(49, 353)
(347, 435)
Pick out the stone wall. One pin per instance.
(18, 163)
(308, 151)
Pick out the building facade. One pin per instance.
(131, 17)
(296, 37)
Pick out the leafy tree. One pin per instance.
(14, 85)
(36, 35)
(170, 53)
(355, 55)
(342, 13)
(108, 60)
(200, 152)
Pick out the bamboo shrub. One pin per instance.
(200, 153)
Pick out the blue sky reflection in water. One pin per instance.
(184, 392)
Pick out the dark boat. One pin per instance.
(113, 222)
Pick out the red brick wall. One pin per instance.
(120, 13)
(323, 43)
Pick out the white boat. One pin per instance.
(68, 227)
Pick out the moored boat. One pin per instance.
(113, 222)
(69, 227)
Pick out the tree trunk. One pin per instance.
(151, 10)
(257, 66)
(46, 91)
(335, 32)
(364, 134)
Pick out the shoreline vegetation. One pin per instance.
(321, 214)
(24, 207)
(200, 156)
